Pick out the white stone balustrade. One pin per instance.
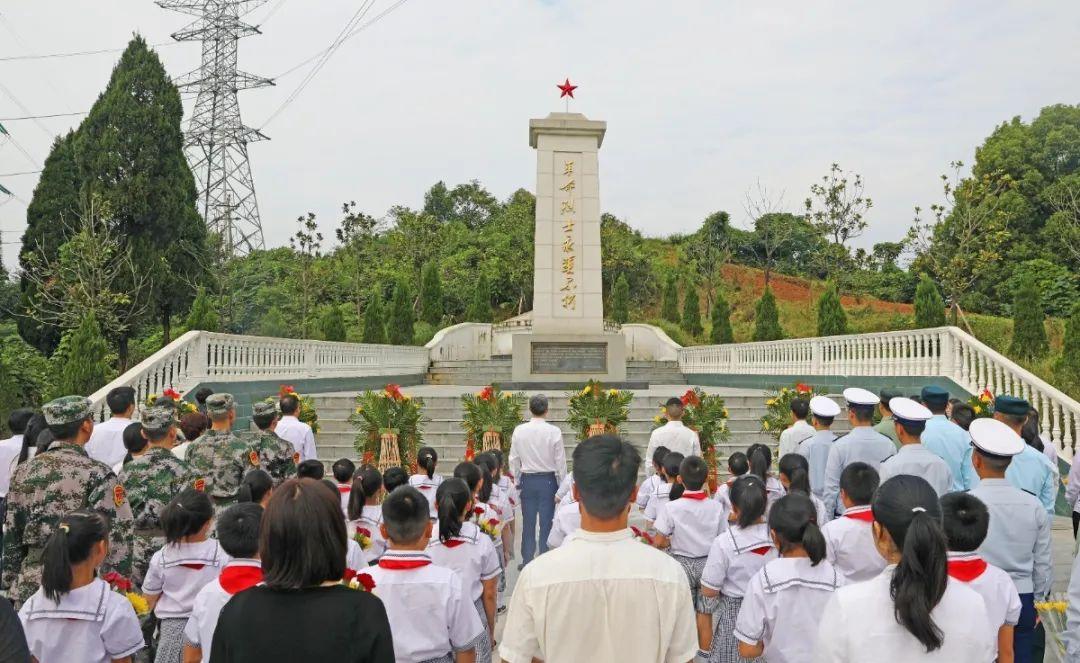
(942, 351)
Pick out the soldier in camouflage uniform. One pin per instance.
(53, 484)
(151, 479)
(276, 455)
(220, 457)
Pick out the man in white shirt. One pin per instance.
(674, 435)
(295, 431)
(538, 464)
(107, 441)
(799, 430)
(584, 600)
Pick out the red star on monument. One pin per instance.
(567, 89)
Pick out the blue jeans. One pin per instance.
(1024, 633)
(537, 499)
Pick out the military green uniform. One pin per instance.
(221, 458)
(276, 455)
(887, 428)
(48, 487)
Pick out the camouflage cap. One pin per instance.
(158, 417)
(263, 408)
(66, 410)
(219, 404)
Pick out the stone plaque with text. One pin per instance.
(563, 358)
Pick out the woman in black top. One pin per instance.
(302, 612)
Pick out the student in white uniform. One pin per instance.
(669, 475)
(463, 548)
(909, 419)
(365, 514)
(737, 466)
(509, 491)
(486, 515)
(688, 524)
(784, 600)
(256, 487)
(238, 534)
(816, 448)
(794, 471)
(500, 502)
(343, 470)
(674, 434)
(649, 485)
(564, 492)
(850, 538)
(567, 520)
(430, 611)
(734, 557)
(911, 612)
(427, 482)
(966, 520)
(759, 456)
(75, 617)
(355, 559)
(188, 561)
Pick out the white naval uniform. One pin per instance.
(917, 460)
(430, 612)
(677, 438)
(199, 631)
(782, 606)
(849, 545)
(691, 524)
(859, 625)
(659, 498)
(815, 450)
(178, 571)
(993, 585)
(862, 444)
(427, 487)
(91, 624)
(1071, 636)
(1018, 538)
(471, 554)
(369, 521)
(736, 556)
(567, 520)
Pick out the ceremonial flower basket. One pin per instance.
(123, 586)
(596, 411)
(982, 405)
(182, 407)
(707, 415)
(1052, 616)
(490, 416)
(390, 427)
(778, 406)
(307, 413)
(358, 581)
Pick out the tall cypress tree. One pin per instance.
(203, 316)
(399, 327)
(85, 367)
(1067, 368)
(670, 306)
(332, 324)
(620, 300)
(1029, 330)
(480, 307)
(721, 322)
(691, 315)
(831, 319)
(767, 319)
(431, 295)
(929, 306)
(374, 325)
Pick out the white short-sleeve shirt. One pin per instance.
(567, 520)
(471, 554)
(510, 489)
(647, 490)
(992, 584)
(661, 496)
(91, 624)
(691, 523)
(106, 443)
(500, 499)
(430, 612)
(735, 556)
(849, 542)
(355, 558)
(427, 487)
(299, 435)
(178, 571)
(206, 609)
(368, 525)
(782, 606)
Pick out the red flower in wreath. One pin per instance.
(802, 388)
(394, 392)
(479, 511)
(117, 581)
(171, 393)
(487, 394)
(286, 390)
(691, 398)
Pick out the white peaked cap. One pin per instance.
(909, 410)
(860, 396)
(823, 406)
(995, 438)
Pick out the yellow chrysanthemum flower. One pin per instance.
(586, 390)
(359, 409)
(406, 397)
(613, 392)
(765, 425)
(725, 413)
(657, 419)
(977, 409)
(138, 603)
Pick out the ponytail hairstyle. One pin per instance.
(671, 464)
(70, 543)
(1030, 432)
(30, 436)
(793, 521)
(908, 508)
(452, 497)
(488, 461)
(365, 485)
(749, 497)
(427, 458)
(796, 469)
(497, 454)
(760, 458)
(255, 485)
(186, 514)
(658, 457)
(476, 478)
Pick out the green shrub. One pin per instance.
(620, 300)
(831, 319)
(670, 308)
(721, 322)
(691, 315)
(1029, 328)
(767, 319)
(929, 306)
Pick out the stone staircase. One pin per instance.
(499, 370)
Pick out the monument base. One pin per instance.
(568, 358)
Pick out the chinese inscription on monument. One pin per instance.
(566, 211)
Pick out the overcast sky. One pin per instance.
(702, 98)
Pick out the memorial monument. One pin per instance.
(568, 342)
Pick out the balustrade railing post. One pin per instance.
(815, 358)
(197, 358)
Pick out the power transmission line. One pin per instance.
(49, 56)
(24, 172)
(41, 117)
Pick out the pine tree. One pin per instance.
(929, 306)
(721, 322)
(670, 307)
(767, 319)
(85, 368)
(480, 306)
(272, 324)
(203, 316)
(399, 326)
(374, 325)
(691, 315)
(431, 295)
(620, 300)
(333, 324)
(1029, 330)
(831, 319)
(1067, 367)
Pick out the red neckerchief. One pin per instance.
(967, 569)
(761, 550)
(862, 513)
(453, 543)
(194, 567)
(344, 489)
(694, 495)
(235, 579)
(399, 564)
(425, 486)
